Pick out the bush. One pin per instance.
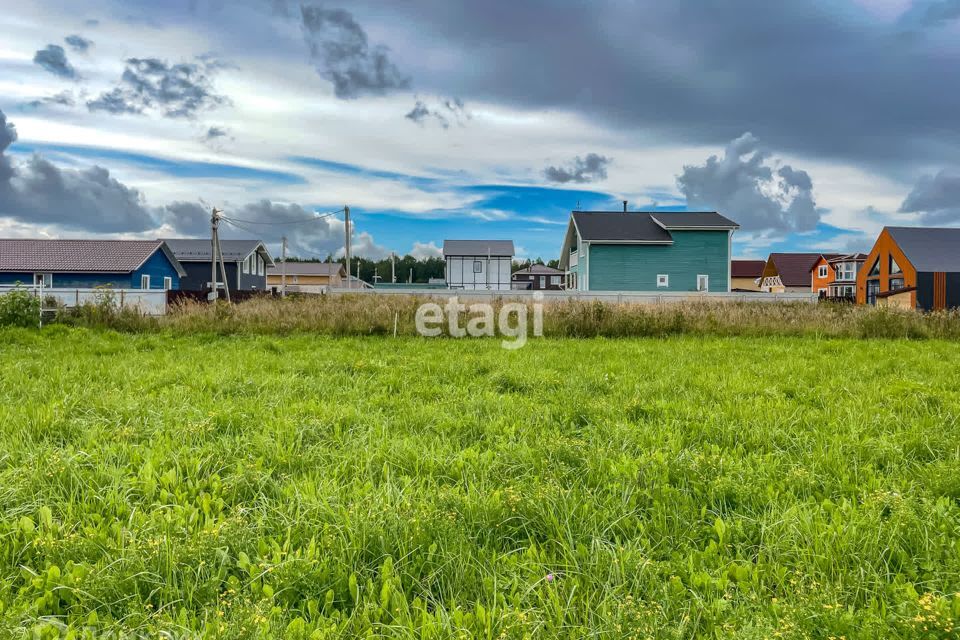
(19, 308)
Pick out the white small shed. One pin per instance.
(478, 265)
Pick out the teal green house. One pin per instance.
(647, 251)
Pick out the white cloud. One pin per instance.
(424, 250)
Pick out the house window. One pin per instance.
(822, 271)
(477, 266)
(875, 269)
(894, 267)
(896, 283)
(543, 282)
(167, 283)
(144, 281)
(44, 280)
(261, 265)
(246, 266)
(663, 280)
(554, 279)
(703, 283)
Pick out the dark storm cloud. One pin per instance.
(78, 43)
(175, 90)
(318, 238)
(451, 109)
(214, 133)
(63, 99)
(814, 76)
(39, 192)
(592, 168)
(54, 59)
(36, 191)
(8, 135)
(344, 56)
(936, 198)
(743, 185)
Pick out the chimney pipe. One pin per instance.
(624, 206)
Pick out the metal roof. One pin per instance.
(595, 226)
(538, 269)
(746, 268)
(794, 268)
(199, 250)
(693, 220)
(297, 268)
(850, 257)
(478, 248)
(929, 249)
(80, 256)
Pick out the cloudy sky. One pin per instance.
(812, 123)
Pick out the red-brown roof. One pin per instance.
(79, 256)
(794, 268)
(746, 268)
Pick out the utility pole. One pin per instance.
(214, 223)
(346, 245)
(216, 255)
(393, 267)
(283, 267)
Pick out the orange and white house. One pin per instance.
(821, 275)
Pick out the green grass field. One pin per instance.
(299, 486)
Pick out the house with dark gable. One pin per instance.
(89, 264)
(245, 262)
(647, 251)
(537, 277)
(912, 268)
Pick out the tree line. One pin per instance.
(407, 268)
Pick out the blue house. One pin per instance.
(647, 251)
(85, 264)
(245, 261)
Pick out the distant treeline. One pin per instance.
(407, 268)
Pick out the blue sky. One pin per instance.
(812, 124)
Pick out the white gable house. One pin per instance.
(478, 265)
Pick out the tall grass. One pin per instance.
(359, 315)
(244, 486)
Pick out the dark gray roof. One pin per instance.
(694, 220)
(199, 250)
(81, 256)
(478, 248)
(929, 249)
(614, 226)
(538, 269)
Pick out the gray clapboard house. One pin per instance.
(245, 262)
(478, 264)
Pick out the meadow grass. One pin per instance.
(364, 315)
(304, 486)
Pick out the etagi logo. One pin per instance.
(482, 320)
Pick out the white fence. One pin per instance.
(614, 297)
(151, 302)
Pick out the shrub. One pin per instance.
(19, 308)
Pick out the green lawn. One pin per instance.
(308, 486)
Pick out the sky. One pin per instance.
(811, 123)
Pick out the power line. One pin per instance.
(319, 216)
(239, 226)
